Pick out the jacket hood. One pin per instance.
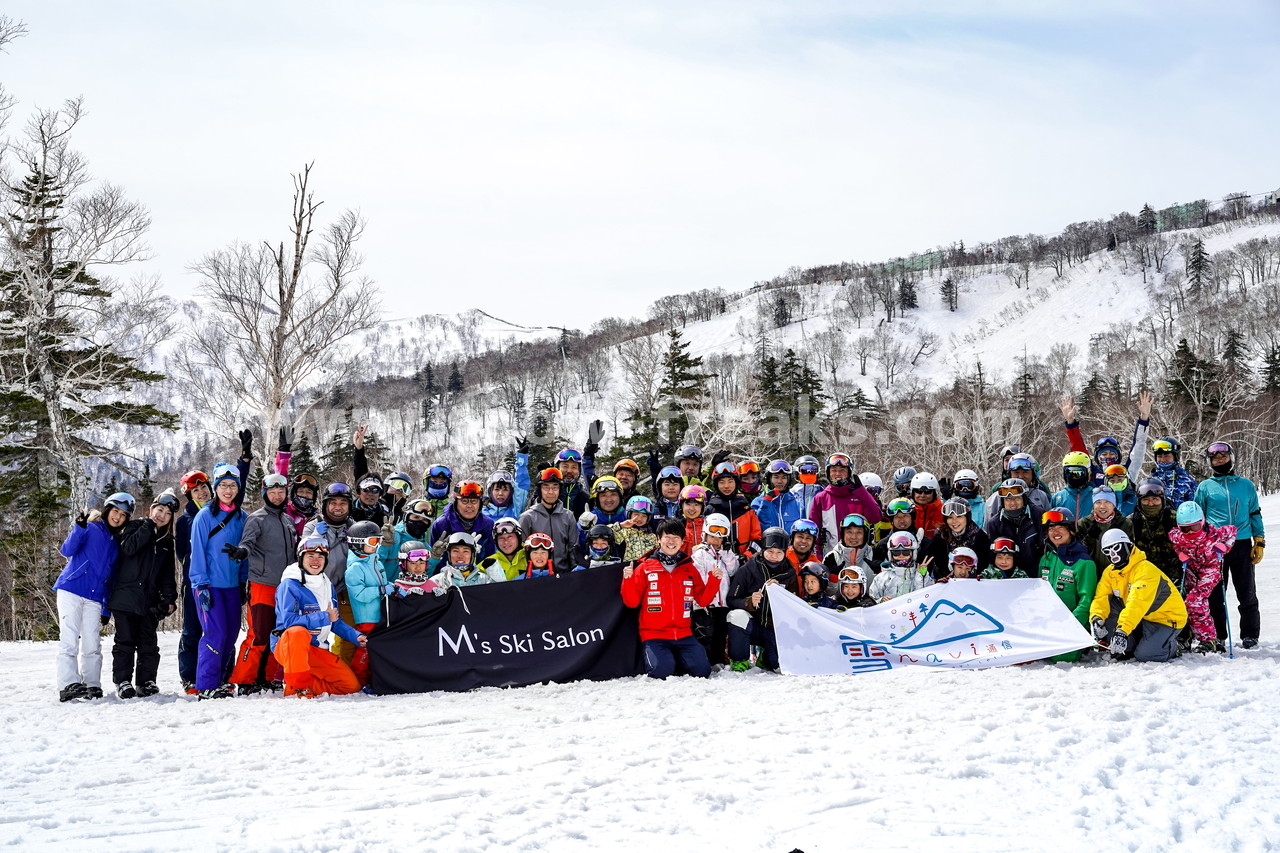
(1071, 553)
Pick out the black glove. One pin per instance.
(653, 460)
(522, 444)
(106, 619)
(944, 488)
(720, 456)
(286, 439)
(595, 432)
(246, 443)
(589, 450)
(235, 552)
(855, 482)
(82, 519)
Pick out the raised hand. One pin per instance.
(1067, 405)
(357, 438)
(1145, 399)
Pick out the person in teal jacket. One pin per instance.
(1228, 498)
(367, 587)
(1068, 568)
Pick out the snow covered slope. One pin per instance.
(1103, 756)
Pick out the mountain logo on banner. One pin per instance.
(948, 623)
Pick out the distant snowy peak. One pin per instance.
(399, 347)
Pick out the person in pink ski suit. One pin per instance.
(1201, 547)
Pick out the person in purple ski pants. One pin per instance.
(219, 575)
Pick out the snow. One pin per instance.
(1141, 757)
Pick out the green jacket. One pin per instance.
(1074, 577)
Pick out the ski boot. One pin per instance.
(73, 692)
(148, 688)
(126, 690)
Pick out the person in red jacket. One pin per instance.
(924, 494)
(666, 587)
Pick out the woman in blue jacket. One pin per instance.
(219, 575)
(82, 589)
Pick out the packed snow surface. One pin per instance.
(1099, 756)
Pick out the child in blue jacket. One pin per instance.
(82, 589)
(306, 620)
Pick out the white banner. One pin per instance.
(964, 624)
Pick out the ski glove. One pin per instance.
(720, 456)
(522, 444)
(1255, 553)
(587, 520)
(321, 528)
(1099, 627)
(944, 488)
(595, 432)
(246, 443)
(205, 597)
(286, 439)
(1119, 644)
(82, 520)
(855, 482)
(235, 552)
(389, 589)
(106, 619)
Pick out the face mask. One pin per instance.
(416, 529)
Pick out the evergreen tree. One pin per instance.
(375, 452)
(455, 380)
(1092, 393)
(1147, 220)
(113, 486)
(1269, 372)
(1198, 266)
(682, 379)
(335, 456)
(950, 294)
(1192, 379)
(302, 461)
(907, 299)
(146, 489)
(428, 413)
(1235, 356)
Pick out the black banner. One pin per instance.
(560, 628)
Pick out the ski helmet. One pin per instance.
(122, 501)
(1151, 486)
(421, 508)
(902, 479)
(670, 472)
(361, 532)
(717, 524)
(1117, 477)
(1009, 450)
(924, 481)
(1004, 545)
(412, 551)
(964, 557)
(693, 492)
(465, 539)
(400, 482)
(774, 537)
(854, 519)
(626, 465)
(437, 471)
(726, 470)
(1117, 545)
(538, 540)
(852, 574)
(965, 483)
(506, 525)
(902, 547)
(1167, 444)
(313, 544)
(192, 479)
(900, 505)
(569, 454)
(1059, 516)
(500, 477)
(956, 507)
(689, 451)
(806, 468)
(168, 500)
(549, 476)
(804, 525)
(839, 460)
(1075, 469)
(639, 503)
(303, 504)
(815, 570)
(601, 531)
(1217, 448)
(606, 483)
(1011, 488)
(1106, 444)
(748, 484)
(871, 482)
(1021, 462)
(1190, 515)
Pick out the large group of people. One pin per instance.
(1141, 560)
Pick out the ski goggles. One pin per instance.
(469, 489)
(194, 479)
(1193, 527)
(717, 530)
(689, 451)
(804, 525)
(399, 485)
(1162, 447)
(725, 469)
(781, 466)
(849, 576)
(313, 545)
(1055, 516)
(900, 505)
(966, 485)
(606, 484)
(1012, 491)
(504, 526)
(539, 540)
(924, 490)
(808, 468)
(693, 493)
(1016, 464)
(569, 455)
(338, 490)
(1151, 489)
(670, 472)
(640, 503)
(440, 471)
(1107, 442)
(550, 475)
(1004, 546)
(1218, 448)
(224, 470)
(963, 560)
(275, 481)
(951, 509)
(747, 468)
(420, 508)
(838, 459)
(305, 480)
(854, 519)
(417, 555)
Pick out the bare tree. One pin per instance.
(275, 324)
(641, 361)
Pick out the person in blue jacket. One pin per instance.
(1228, 498)
(464, 516)
(777, 505)
(220, 581)
(1077, 494)
(506, 494)
(82, 591)
(367, 586)
(306, 620)
(1179, 486)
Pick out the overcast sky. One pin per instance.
(561, 162)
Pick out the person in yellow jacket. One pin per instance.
(1136, 608)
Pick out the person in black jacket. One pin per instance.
(957, 531)
(1013, 520)
(143, 592)
(750, 621)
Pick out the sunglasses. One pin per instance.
(923, 490)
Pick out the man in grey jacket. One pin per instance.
(269, 543)
(548, 515)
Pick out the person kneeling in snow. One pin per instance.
(1136, 609)
(306, 619)
(669, 586)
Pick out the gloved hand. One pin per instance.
(944, 488)
(286, 439)
(437, 591)
(1099, 628)
(82, 519)
(1119, 644)
(1255, 553)
(204, 597)
(235, 552)
(587, 520)
(720, 456)
(855, 482)
(389, 589)
(654, 461)
(246, 443)
(522, 444)
(388, 533)
(321, 528)
(595, 432)
(106, 619)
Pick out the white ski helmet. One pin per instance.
(871, 480)
(965, 474)
(719, 522)
(924, 480)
